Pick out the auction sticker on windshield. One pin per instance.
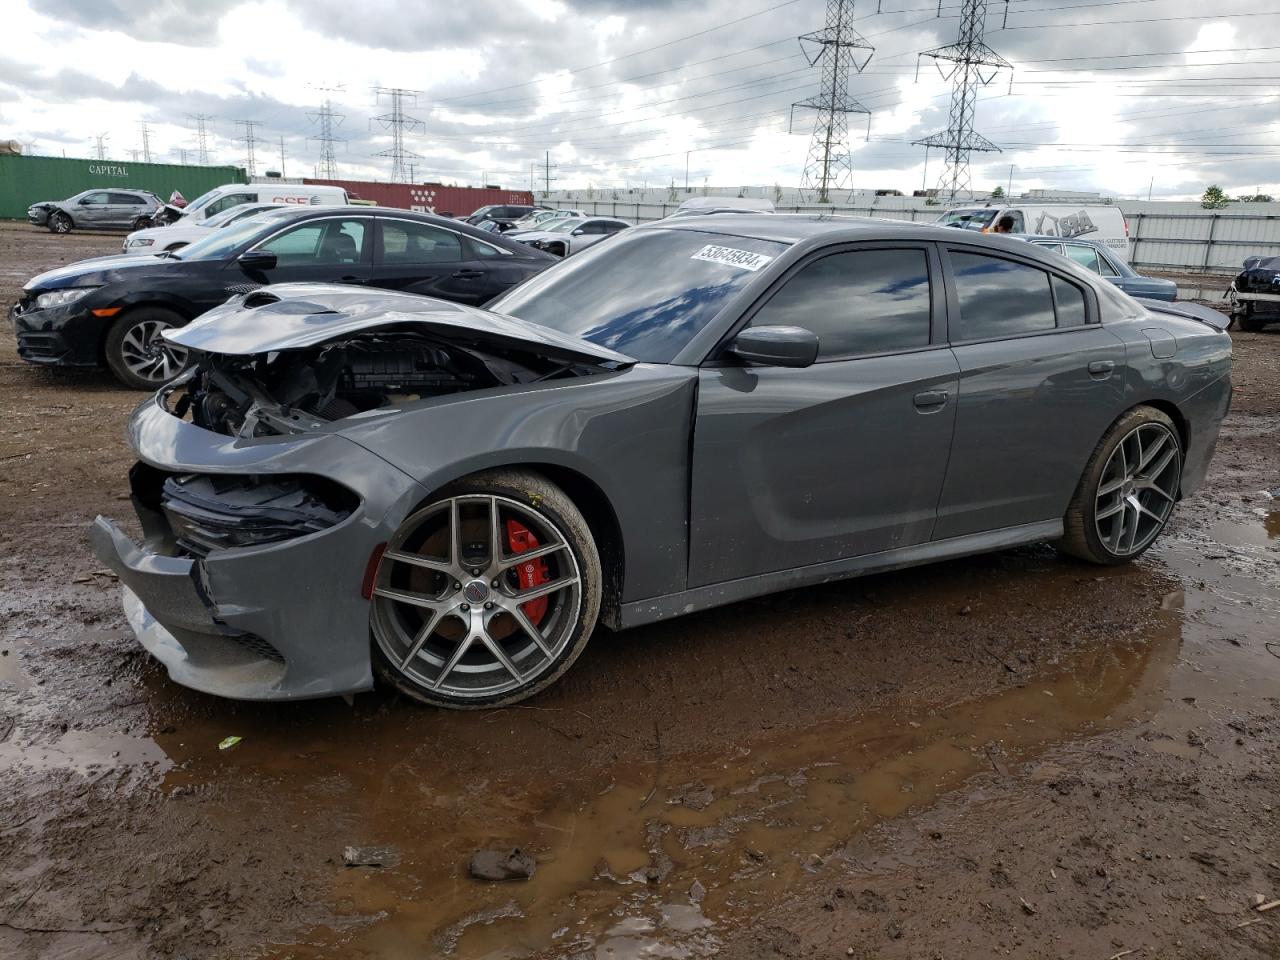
(734, 258)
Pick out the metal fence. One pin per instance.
(1165, 235)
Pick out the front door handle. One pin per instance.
(468, 274)
(1101, 369)
(930, 400)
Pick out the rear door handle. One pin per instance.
(469, 274)
(1101, 369)
(930, 400)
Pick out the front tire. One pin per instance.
(59, 222)
(1128, 490)
(486, 595)
(142, 223)
(1251, 322)
(136, 353)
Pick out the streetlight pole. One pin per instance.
(686, 170)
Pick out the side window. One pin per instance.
(593, 228)
(999, 298)
(319, 242)
(129, 199)
(482, 249)
(96, 199)
(1069, 301)
(613, 226)
(407, 242)
(859, 302)
(1055, 247)
(227, 202)
(1087, 257)
(1105, 268)
(1018, 224)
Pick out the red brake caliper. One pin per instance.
(519, 539)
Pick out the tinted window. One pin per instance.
(1087, 257)
(646, 293)
(1069, 299)
(129, 198)
(865, 301)
(406, 242)
(95, 199)
(229, 201)
(592, 227)
(319, 242)
(999, 298)
(481, 249)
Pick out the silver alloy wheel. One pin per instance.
(61, 223)
(448, 608)
(150, 356)
(1137, 489)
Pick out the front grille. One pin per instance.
(41, 346)
(256, 645)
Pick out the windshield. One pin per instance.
(231, 213)
(223, 241)
(975, 218)
(645, 293)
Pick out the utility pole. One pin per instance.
(973, 64)
(546, 175)
(134, 153)
(249, 140)
(397, 121)
(182, 155)
(532, 167)
(327, 121)
(686, 170)
(202, 136)
(282, 174)
(146, 141)
(1009, 190)
(101, 139)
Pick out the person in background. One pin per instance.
(1004, 224)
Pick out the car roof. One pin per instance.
(1036, 237)
(794, 227)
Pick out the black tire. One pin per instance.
(1082, 537)
(131, 336)
(59, 222)
(1251, 322)
(142, 223)
(533, 494)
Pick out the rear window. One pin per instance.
(645, 293)
(1000, 298)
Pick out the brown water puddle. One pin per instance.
(625, 855)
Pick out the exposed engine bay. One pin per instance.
(293, 391)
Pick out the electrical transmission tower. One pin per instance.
(973, 64)
(249, 140)
(327, 121)
(101, 144)
(547, 178)
(841, 50)
(202, 136)
(146, 140)
(182, 155)
(397, 121)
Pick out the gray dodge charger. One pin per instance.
(350, 483)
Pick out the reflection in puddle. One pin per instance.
(1271, 523)
(652, 859)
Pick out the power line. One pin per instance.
(968, 56)
(249, 140)
(840, 49)
(202, 136)
(397, 121)
(328, 122)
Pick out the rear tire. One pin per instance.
(448, 625)
(1128, 490)
(136, 353)
(1251, 322)
(59, 222)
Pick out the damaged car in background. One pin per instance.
(1254, 294)
(350, 483)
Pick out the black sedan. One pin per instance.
(111, 310)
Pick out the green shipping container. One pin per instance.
(28, 180)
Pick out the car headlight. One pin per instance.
(141, 242)
(56, 298)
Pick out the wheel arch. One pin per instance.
(1169, 409)
(180, 309)
(596, 509)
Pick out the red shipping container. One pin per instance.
(428, 197)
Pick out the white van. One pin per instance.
(234, 194)
(1101, 223)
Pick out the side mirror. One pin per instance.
(257, 260)
(577, 233)
(776, 346)
(84, 201)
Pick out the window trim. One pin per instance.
(937, 306)
(1092, 316)
(463, 237)
(364, 261)
(1093, 250)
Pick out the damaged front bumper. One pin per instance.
(268, 621)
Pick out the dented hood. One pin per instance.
(295, 316)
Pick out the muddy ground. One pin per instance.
(1014, 755)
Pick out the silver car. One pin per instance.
(115, 209)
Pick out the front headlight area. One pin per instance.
(140, 242)
(195, 514)
(59, 298)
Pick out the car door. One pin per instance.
(324, 250)
(419, 257)
(1040, 381)
(124, 209)
(94, 210)
(839, 459)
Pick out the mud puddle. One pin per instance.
(656, 858)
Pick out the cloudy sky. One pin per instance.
(1120, 96)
